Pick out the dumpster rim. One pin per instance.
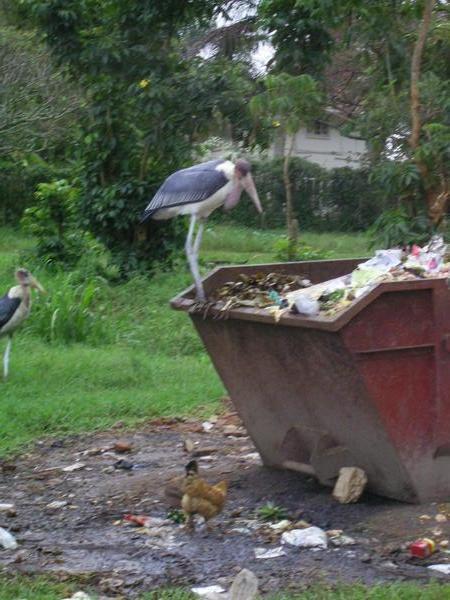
(181, 302)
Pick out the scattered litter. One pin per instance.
(424, 517)
(263, 553)
(139, 520)
(207, 426)
(349, 485)
(244, 586)
(311, 537)
(7, 540)
(341, 540)
(204, 452)
(56, 504)
(122, 446)
(440, 518)
(444, 543)
(7, 508)
(75, 467)
(123, 464)
(281, 525)
(205, 592)
(444, 568)
(79, 596)
(422, 548)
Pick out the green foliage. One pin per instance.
(271, 512)
(397, 228)
(176, 516)
(284, 251)
(141, 116)
(301, 40)
(337, 200)
(72, 313)
(18, 182)
(52, 220)
(287, 102)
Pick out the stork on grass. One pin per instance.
(14, 309)
(198, 191)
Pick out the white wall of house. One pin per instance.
(325, 146)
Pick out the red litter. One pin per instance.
(141, 521)
(422, 548)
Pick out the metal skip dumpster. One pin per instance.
(369, 387)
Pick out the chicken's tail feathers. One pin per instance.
(192, 467)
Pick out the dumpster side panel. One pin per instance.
(303, 401)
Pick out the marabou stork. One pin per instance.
(14, 309)
(197, 191)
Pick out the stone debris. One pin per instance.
(349, 485)
(7, 540)
(244, 586)
(75, 467)
(56, 504)
(263, 553)
(311, 537)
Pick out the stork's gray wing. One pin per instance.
(8, 307)
(187, 186)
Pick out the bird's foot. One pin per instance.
(202, 307)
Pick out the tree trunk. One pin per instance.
(416, 64)
(291, 221)
(436, 194)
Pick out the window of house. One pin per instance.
(318, 129)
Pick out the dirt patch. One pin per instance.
(83, 533)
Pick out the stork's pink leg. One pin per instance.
(6, 358)
(191, 249)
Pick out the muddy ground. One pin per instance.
(84, 535)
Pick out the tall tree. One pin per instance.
(289, 102)
(400, 51)
(146, 104)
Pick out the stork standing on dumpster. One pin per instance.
(198, 191)
(15, 307)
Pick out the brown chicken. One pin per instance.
(200, 498)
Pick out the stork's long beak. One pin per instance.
(36, 285)
(249, 186)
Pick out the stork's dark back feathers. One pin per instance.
(187, 186)
(8, 307)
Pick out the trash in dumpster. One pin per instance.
(258, 291)
(279, 293)
(422, 548)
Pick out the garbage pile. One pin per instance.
(281, 294)
(258, 291)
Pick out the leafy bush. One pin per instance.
(53, 221)
(271, 512)
(18, 184)
(72, 313)
(302, 251)
(395, 227)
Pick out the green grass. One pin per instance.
(132, 357)
(240, 244)
(44, 589)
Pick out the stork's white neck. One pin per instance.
(18, 291)
(227, 168)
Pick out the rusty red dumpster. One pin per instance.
(369, 387)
